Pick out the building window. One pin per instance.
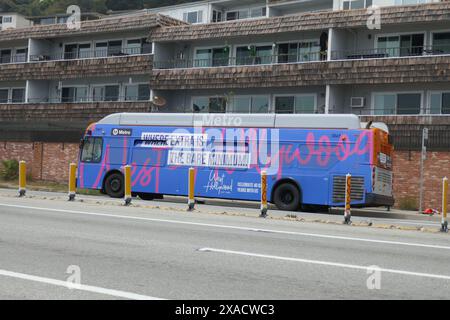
(213, 57)
(7, 19)
(193, 17)
(295, 104)
(21, 55)
(105, 93)
(138, 46)
(251, 55)
(246, 13)
(74, 94)
(209, 105)
(18, 95)
(4, 95)
(108, 48)
(298, 52)
(5, 56)
(441, 43)
(137, 92)
(216, 16)
(397, 103)
(77, 51)
(440, 103)
(401, 46)
(251, 104)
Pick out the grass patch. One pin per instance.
(45, 186)
(410, 204)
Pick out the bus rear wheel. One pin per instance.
(287, 197)
(114, 185)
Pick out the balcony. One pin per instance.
(378, 53)
(66, 112)
(240, 61)
(73, 69)
(93, 54)
(404, 70)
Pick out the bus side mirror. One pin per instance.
(81, 144)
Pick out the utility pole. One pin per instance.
(423, 157)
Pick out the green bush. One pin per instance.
(10, 170)
(410, 204)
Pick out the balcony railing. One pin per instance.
(84, 99)
(240, 61)
(88, 54)
(17, 58)
(378, 53)
(400, 111)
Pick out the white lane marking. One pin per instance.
(326, 263)
(81, 287)
(315, 235)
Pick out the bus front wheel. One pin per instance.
(287, 197)
(114, 185)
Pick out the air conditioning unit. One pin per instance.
(358, 102)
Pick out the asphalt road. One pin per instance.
(137, 253)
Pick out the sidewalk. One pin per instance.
(373, 217)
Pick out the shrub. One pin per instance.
(10, 170)
(410, 204)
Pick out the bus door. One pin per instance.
(90, 166)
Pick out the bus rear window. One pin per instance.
(92, 150)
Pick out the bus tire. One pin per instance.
(287, 197)
(114, 185)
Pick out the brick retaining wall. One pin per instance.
(50, 162)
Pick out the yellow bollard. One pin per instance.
(22, 178)
(264, 206)
(348, 192)
(127, 171)
(191, 195)
(444, 204)
(72, 181)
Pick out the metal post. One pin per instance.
(72, 181)
(127, 171)
(444, 227)
(264, 206)
(423, 157)
(22, 178)
(348, 192)
(191, 195)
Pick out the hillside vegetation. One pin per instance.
(44, 7)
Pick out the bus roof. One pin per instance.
(322, 121)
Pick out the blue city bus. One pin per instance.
(306, 157)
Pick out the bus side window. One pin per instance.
(92, 150)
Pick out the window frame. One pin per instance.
(441, 93)
(83, 150)
(295, 95)
(396, 93)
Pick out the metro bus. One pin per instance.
(306, 157)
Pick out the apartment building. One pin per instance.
(388, 64)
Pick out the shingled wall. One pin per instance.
(374, 71)
(75, 69)
(433, 12)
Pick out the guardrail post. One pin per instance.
(348, 192)
(72, 181)
(264, 206)
(127, 197)
(444, 227)
(22, 178)
(191, 194)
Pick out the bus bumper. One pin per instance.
(377, 200)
